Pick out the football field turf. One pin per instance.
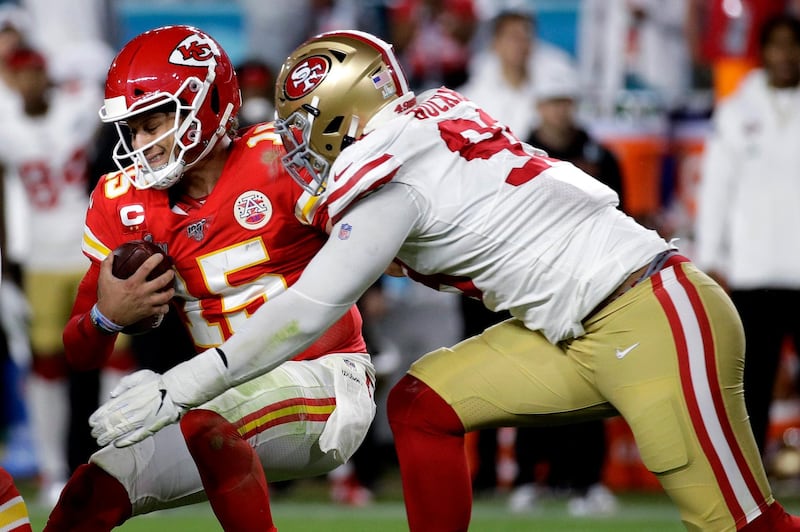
(638, 512)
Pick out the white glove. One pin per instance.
(140, 406)
(15, 315)
(145, 402)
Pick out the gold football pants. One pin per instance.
(667, 355)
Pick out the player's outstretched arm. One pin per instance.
(352, 260)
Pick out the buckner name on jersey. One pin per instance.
(440, 101)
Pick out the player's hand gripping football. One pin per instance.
(140, 406)
(126, 301)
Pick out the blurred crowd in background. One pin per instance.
(625, 89)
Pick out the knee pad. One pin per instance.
(220, 453)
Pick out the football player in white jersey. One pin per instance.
(608, 318)
(45, 142)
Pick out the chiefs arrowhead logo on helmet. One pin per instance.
(177, 66)
(194, 51)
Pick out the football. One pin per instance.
(127, 259)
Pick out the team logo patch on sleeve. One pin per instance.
(252, 209)
(132, 217)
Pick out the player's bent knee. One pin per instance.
(206, 428)
(91, 500)
(412, 404)
(223, 458)
(402, 399)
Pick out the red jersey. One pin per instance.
(736, 34)
(241, 245)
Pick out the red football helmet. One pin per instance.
(181, 66)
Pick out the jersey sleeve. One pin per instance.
(85, 346)
(99, 235)
(353, 177)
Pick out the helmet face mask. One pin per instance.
(182, 69)
(184, 135)
(308, 168)
(326, 92)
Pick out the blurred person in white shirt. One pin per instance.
(45, 141)
(634, 44)
(503, 77)
(747, 217)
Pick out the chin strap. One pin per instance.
(221, 131)
(350, 137)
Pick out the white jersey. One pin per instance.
(515, 105)
(525, 233)
(747, 215)
(464, 206)
(49, 154)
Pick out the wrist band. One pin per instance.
(102, 323)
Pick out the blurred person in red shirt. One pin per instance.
(432, 38)
(724, 34)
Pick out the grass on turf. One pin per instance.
(306, 508)
(638, 513)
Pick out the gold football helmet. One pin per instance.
(326, 92)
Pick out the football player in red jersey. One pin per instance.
(13, 512)
(608, 319)
(221, 206)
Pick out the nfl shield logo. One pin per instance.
(344, 231)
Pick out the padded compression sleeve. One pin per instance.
(361, 245)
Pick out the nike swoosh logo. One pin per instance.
(164, 394)
(621, 353)
(338, 175)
